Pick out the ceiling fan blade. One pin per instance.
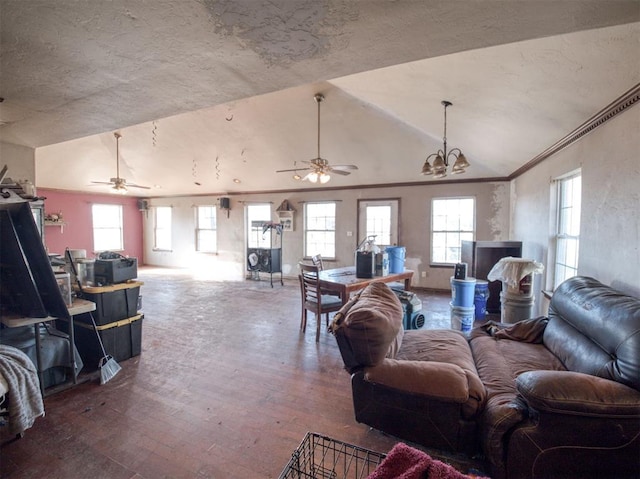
(340, 172)
(102, 182)
(133, 185)
(344, 167)
(293, 169)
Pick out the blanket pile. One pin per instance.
(25, 397)
(404, 462)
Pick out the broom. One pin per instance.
(107, 365)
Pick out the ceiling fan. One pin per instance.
(320, 168)
(120, 185)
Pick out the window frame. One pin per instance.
(394, 220)
(563, 237)
(199, 229)
(156, 247)
(102, 215)
(433, 232)
(306, 230)
(256, 238)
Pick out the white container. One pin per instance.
(462, 318)
(85, 268)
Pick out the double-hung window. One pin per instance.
(107, 227)
(569, 190)
(320, 229)
(452, 221)
(206, 236)
(162, 228)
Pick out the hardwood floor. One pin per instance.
(226, 386)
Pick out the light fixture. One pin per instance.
(441, 161)
(320, 168)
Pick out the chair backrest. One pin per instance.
(316, 259)
(309, 276)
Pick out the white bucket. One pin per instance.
(515, 308)
(462, 318)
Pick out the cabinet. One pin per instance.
(481, 256)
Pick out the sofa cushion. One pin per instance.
(443, 381)
(446, 346)
(369, 327)
(499, 362)
(595, 330)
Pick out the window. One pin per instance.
(206, 237)
(107, 227)
(452, 221)
(257, 215)
(320, 229)
(378, 218)
(162, 228)
(569, 191)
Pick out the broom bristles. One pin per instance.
(108, 369)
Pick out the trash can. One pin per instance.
(516, 298)
(396, 258)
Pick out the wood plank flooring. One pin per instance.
(226, 386)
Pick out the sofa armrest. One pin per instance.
(442, 381)
(568, 392)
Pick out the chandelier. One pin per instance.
(441, 161)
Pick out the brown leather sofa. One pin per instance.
(555, 396)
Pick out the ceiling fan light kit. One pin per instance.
(441, 160)
(320, 168)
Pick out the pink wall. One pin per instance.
(78, 232)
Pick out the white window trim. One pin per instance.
(307, 253)
(155, 228)
(436, 264)
(394, 203)
(556, 205)
(121, 227)
(198, 229)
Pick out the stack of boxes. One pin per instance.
(118, 322)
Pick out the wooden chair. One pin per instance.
(312, 298)
(316, 259)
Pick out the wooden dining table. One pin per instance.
(344, 280)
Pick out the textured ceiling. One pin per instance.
(207, 91)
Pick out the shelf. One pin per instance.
(60, 224)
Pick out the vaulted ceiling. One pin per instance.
(206, 92)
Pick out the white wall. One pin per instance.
(610, 226)
(610, 233)
(20, 160)
(492, 200)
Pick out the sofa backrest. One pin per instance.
(594, 329)
(369, 327)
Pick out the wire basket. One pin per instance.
(321, 457)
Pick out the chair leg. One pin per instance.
(303, 321)
(318, 323)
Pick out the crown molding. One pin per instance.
(624, 102)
